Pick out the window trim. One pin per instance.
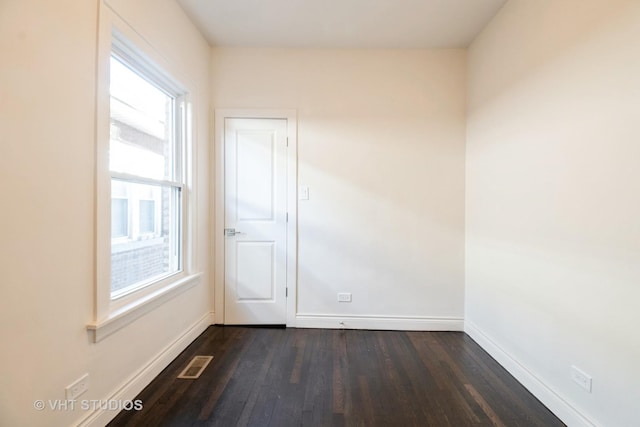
(111, 315)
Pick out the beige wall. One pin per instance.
(552, 251)
(381, 148)
(47, 220)
(552, 207)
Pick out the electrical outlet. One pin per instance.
(581, 378)
(344, 297)
(77, 388)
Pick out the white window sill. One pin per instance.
(127, 314)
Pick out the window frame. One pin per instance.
(110, 315)
(132, 58)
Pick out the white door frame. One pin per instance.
(292, 205)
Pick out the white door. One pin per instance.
(255, 176)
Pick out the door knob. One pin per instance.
(230, 232)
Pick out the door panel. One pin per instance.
(255, 208)
(255, 271)
(255, 175)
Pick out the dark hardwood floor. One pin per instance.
(316, 377)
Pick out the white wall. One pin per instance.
(381, 148)
(552, 220)
(47, 220)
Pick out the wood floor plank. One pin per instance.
(495, 420)
(300, 345)
(512, 400)
(313, 377)
(220, 385)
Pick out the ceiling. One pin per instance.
(341, 23)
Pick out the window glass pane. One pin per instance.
(119, 217)
(141, 136)
(147, 216)
(152, 248)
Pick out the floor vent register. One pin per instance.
(195, 368)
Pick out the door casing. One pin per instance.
(219, 205)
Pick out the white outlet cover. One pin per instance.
(581, 378)
(75, 389)
(344, 297)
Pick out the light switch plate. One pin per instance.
(303, 193)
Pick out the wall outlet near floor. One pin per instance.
(74, 390)
(581, 378)
(344, 297)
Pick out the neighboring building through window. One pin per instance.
(145, 154)
(119, 217)
(147, 217)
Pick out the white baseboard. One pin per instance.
(546, 394)
(394, 323)
(136, 383)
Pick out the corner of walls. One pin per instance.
(133, 385)
(538, 387)
(48, 245)
(552, 260)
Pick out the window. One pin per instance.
(145, 164)
(146, 217)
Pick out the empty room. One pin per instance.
(320, 212)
